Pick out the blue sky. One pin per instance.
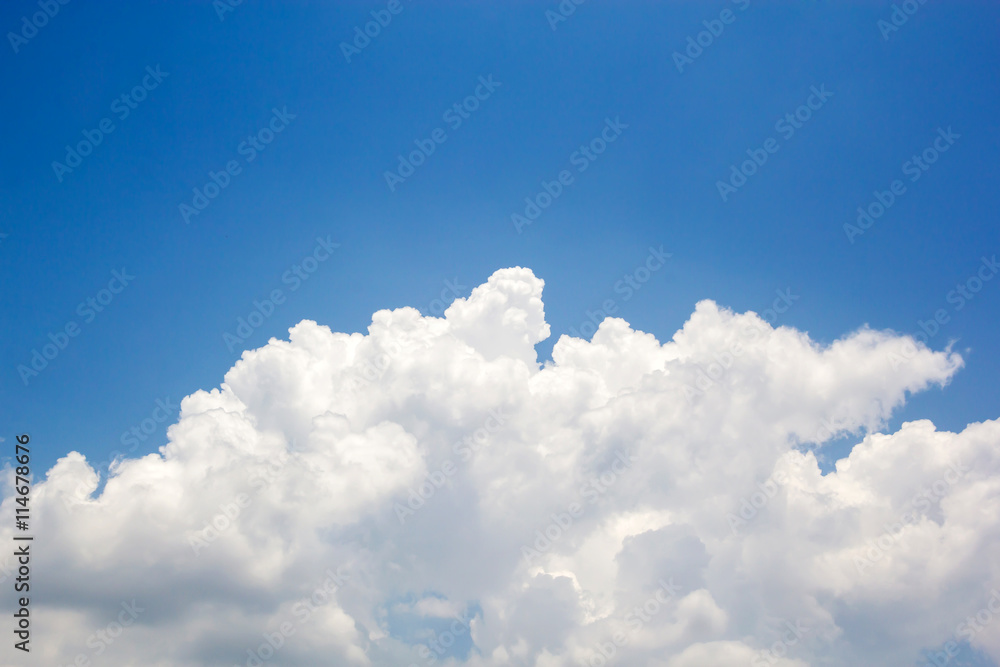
(342, 123)
(324, 176)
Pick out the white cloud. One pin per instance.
(618, 465)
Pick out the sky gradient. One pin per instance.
(324, 176)
(248, 167)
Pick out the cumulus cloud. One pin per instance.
(428, 493)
